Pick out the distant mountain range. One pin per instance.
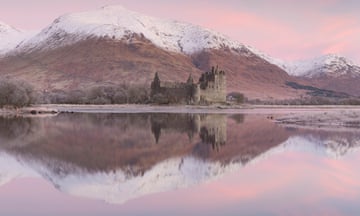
(113, 45)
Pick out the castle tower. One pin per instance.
(213, 86)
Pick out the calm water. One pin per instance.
(175, 164)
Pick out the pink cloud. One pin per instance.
(341, 33)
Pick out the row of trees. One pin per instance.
(115, 94)
(16, 93)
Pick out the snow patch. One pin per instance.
(10, 37)
(335, 147)
(12, 168)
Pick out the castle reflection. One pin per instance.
(210, 128)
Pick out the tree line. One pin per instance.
(16, 94)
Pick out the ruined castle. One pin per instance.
(211, 88)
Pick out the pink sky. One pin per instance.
(286, 29)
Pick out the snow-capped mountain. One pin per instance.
(118, 23)
(328, 65)
(113, 45)
(10, 37)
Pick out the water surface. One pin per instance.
(175, 164)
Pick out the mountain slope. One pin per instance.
(248, 73)
(98, 61)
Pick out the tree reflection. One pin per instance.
(16, 131)
(180, 123)
(11, 128)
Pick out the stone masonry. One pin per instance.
(211, 88)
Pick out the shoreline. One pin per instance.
(314, 117)
(139, 108)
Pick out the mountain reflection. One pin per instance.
(111, 152)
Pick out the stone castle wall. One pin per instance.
(211, 88)
(178, 93)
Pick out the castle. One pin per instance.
(211, 88)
